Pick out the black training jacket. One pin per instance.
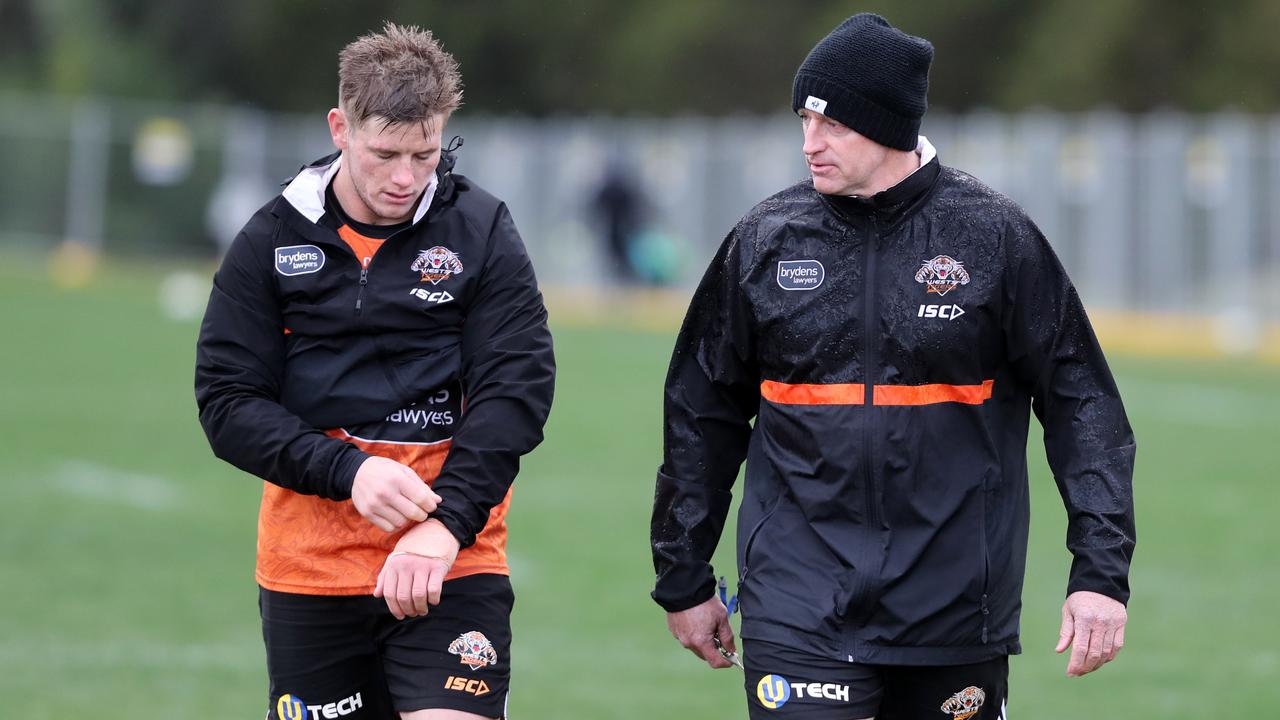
(890, 351)
(298, 339)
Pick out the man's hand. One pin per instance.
(413, 574)
(1093, 626)
(391, 495)
(696, 627)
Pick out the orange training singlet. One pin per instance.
(314, 546)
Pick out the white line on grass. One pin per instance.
(90, 481)
(141, 653)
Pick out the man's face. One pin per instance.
(384, 168)
(841, 161)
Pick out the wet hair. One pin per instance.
(398, 75)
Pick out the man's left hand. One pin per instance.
(413, 575)
(1093, 627)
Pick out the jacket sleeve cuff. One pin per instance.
(343, 477)
(1089, 576)
(676, 603)
(449, 515)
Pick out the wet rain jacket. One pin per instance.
(890, 351)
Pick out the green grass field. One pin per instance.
(127, 564)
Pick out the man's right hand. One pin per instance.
(391, 495)
(696, 627)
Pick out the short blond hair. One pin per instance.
(399, 75)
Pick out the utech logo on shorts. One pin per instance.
(299, 260)
(821, 691)
(289, 707)
(773, 691)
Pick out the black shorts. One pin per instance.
(348, 657)
(786, 683)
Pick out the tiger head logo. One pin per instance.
(474, 650)
(437, 264)
(942, 274)
(965, 704)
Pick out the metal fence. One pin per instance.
(1160, 212)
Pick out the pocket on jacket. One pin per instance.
(744, 565)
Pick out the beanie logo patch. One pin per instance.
(816, 104)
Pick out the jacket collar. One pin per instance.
(894, 203)
(305, 191)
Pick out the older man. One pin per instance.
(890, 324)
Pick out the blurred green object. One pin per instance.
(128, 549)
(656, 257)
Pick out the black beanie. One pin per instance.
(870, 76)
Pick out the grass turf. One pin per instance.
(128, 549)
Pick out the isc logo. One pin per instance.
(946, 312)
(439, 297)
(467, 685)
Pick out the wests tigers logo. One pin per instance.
(942, 274)
(474, 650)
(965, 704)
(437, 264)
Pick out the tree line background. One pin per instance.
(657, 57)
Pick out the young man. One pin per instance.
(376, 349)
(889, 324)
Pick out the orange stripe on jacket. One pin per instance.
(314, 546)
(786, 394)
(932, 394)
(853, 394)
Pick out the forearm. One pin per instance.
(503, 421)
(263, 439)
(688, 520)
(1087, 437)
(711, 394)
(1100, 525)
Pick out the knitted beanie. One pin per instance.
(870, 76)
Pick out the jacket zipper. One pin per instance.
(364, 280)
(364, 269)
(869, 360)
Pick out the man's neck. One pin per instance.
(345, 190)
(897, 166)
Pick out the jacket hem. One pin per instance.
(335, 590)
(857, 651)
(932, 655)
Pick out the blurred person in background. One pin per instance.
(889, 324)
(375, 348)
(618, 206)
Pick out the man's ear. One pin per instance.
(339, 129)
